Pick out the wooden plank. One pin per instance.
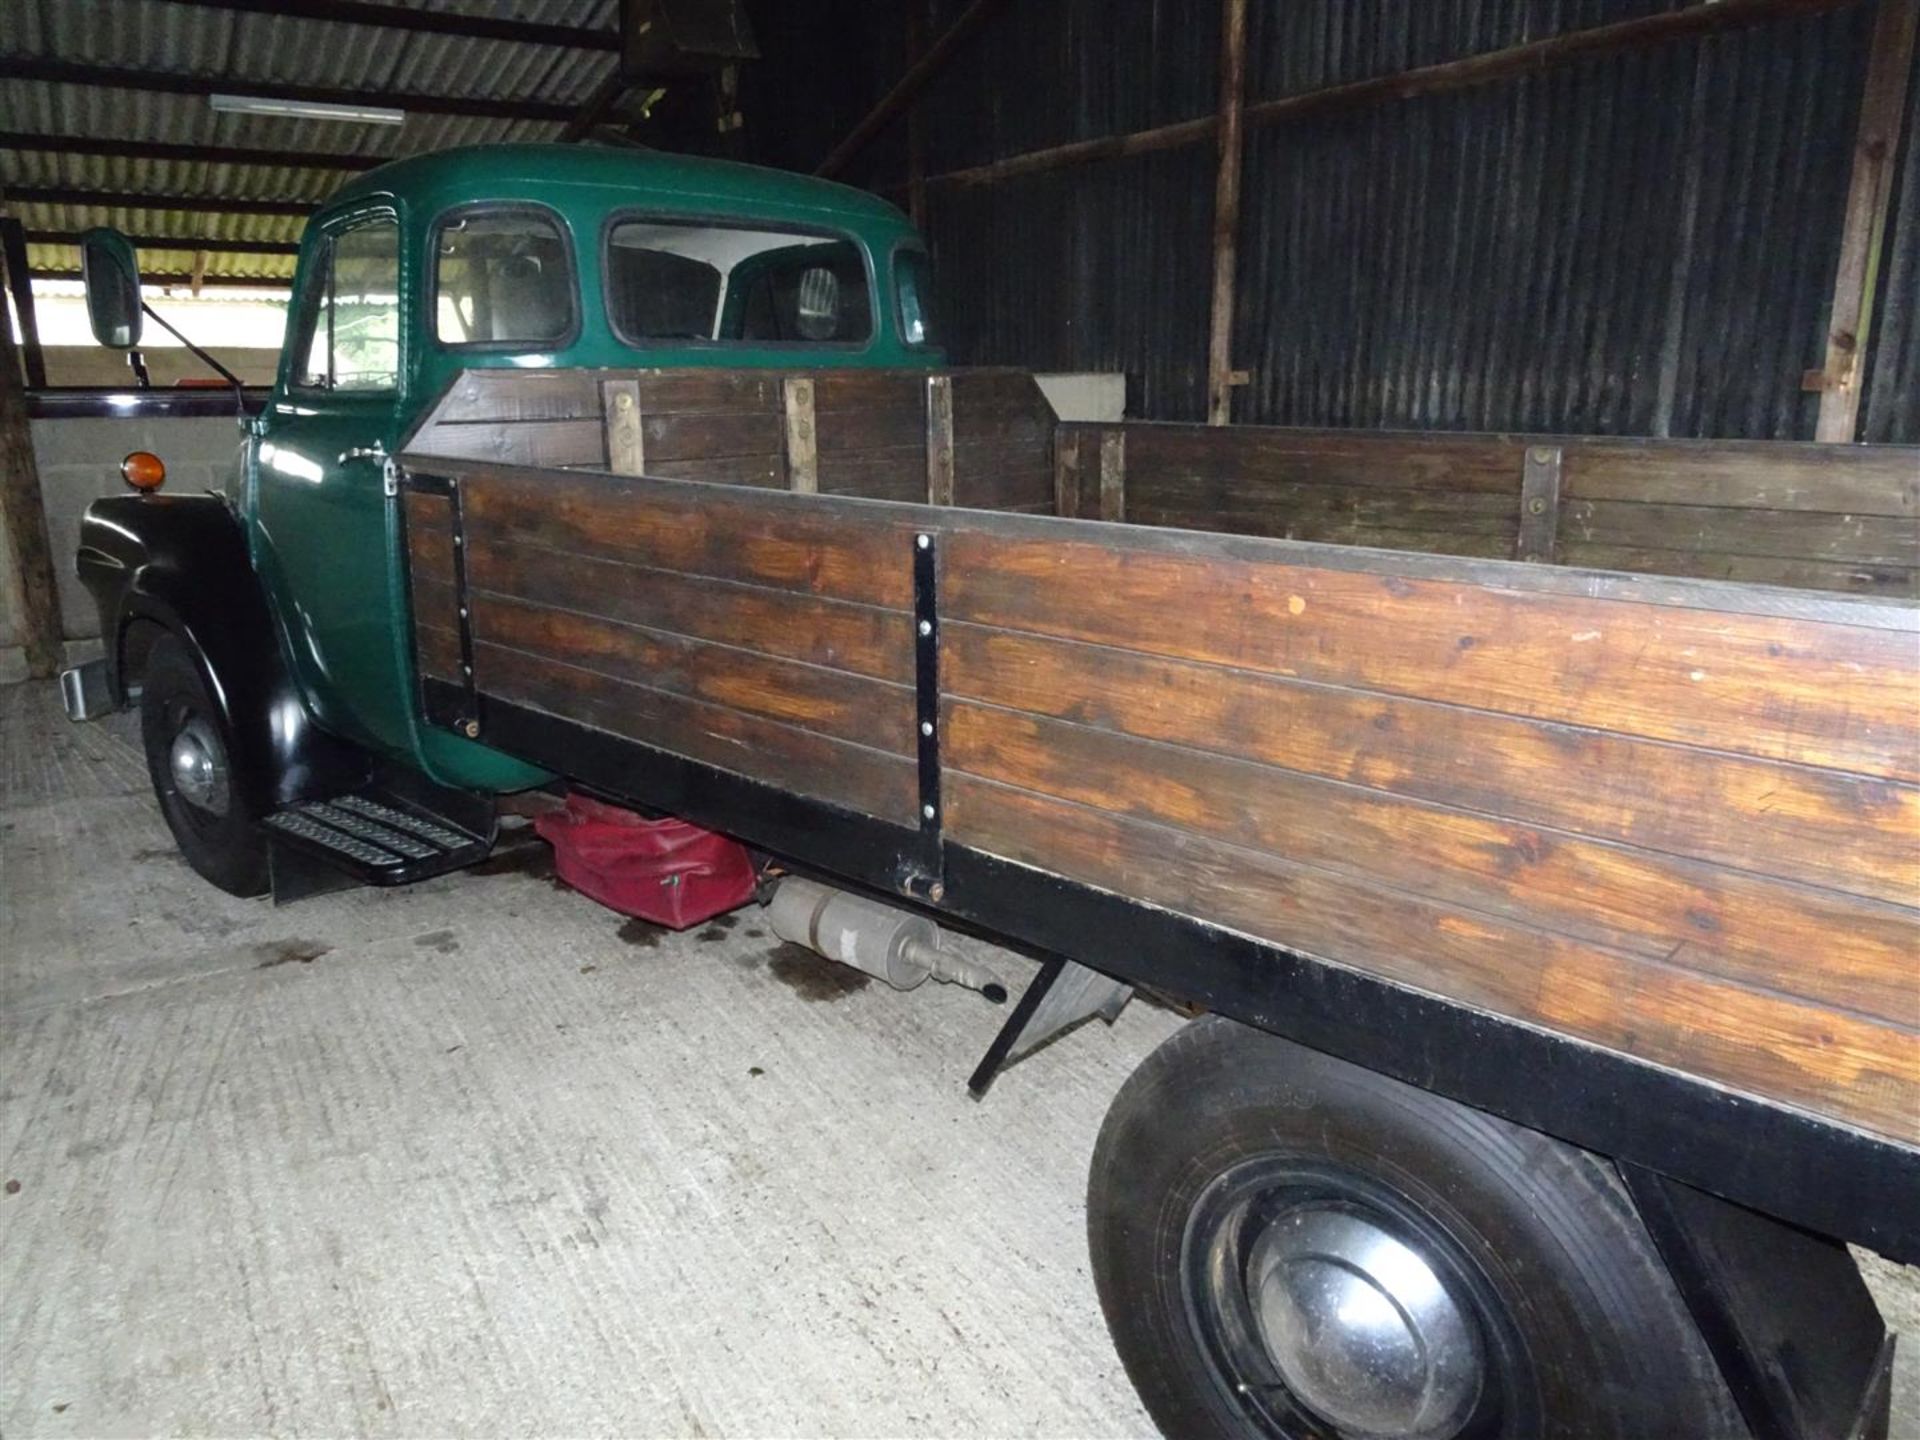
(1113, 475)
(887, 425)
(803, 456)
(626, 437)
(1066, 476)
(894, 472)
(766, 472)
(1485, 538)
(1861, 579)
(1539, 506)
(1309, 511)
(939, 440)
(713, 436)
(1760, 475)
(1784, 534)
(1835, 695)
(704, 391)
(528, 442)
(811, 697)
(1883, 101)
(856, 638)
(855, 777)
(1815, 827)
(1832, 1063)
(437, 651)
(1254, 456)
(489, 394)
(759, 537)
(1807, 943)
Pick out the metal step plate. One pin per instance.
(378, 840)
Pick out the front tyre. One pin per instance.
(1287, 1245)
(189, 759)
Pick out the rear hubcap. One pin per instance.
(198, 765)
(1361, 1329)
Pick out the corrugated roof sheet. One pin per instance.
(238, 47)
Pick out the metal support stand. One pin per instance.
(1062, 995)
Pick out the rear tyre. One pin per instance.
(189, 759)
(1287, 1245)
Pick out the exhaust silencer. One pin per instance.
(896, 946)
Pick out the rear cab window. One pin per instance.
(503, 279)
(673, 281)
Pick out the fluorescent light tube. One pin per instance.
(306, 109)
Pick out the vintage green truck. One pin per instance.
(1535, 817)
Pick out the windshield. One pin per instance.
(676, 281)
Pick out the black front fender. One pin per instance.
(180, 562)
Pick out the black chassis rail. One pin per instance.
(1795, 1166)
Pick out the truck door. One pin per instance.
(320, 511)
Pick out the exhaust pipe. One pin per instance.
(896, 946)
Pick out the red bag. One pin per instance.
(666, 871)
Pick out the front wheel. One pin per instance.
(190, 761)
(1286, 1245)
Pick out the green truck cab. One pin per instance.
(530, 257)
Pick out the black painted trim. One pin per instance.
(1789, 1164)
(926, 696)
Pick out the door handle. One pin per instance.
(375, 451)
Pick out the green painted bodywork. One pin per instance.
(325, 539)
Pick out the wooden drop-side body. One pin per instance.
(1631, 857)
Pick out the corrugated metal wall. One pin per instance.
(1642, 243)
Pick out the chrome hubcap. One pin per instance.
(1361, 1328)
(199, 767)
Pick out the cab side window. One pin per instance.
(347, 325)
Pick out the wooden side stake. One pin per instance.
(1066, 472)
(1539, 536)
(1226, 209)
(1883, 102)
(803, 440)
(626, 443)
(940, 440)
(24, 518)
(1113, 475)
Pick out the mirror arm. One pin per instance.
(239, 390)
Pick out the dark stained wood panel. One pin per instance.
(783, 541)
(1801, 691)
(529, 442)
(782, 623)
(1803, 1054)
(1843, 576)
(1818, 827)
(854, 777)
(1764, 475)
(1693, 916)
(430, 571)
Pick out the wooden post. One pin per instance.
(916, 121)
(24, 518)
(13, 244)
(1539, 506)
(1226, 209)
(1882, 103)
(803, 439)
(1113, 475)
(626, 440)
(940, 440)
(1066, 472)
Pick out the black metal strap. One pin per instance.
(463, 609)
(926, 684)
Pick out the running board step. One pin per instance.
(377, 841)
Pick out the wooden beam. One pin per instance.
(1226, 209)
(1113, 475)
(1712, 17)
(13, 250)
(607, 94)
(23, 517)
(430, 22)
(940, 440)
(142, 200)
(173, 281)
(626, 438)
(1850, 316)
(169, 82)
(916, 120)
(1539, 535)
(43, 144)
(802, 435)
(919, 75)
(176, 242)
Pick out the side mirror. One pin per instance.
(111, 275)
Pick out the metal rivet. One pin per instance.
(1540, 457)
(926, 811)
(936, 891)
(463, 612)
(926, 627)
(456, 540)
(471, 728)
(924, 541)
(926, 727)
(1536, 506)
(624, 401)
(467, 669)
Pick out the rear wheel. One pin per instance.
(189, 758)
(1287, 1245)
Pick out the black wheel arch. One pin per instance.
(179, 564)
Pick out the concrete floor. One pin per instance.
(478, 1157)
